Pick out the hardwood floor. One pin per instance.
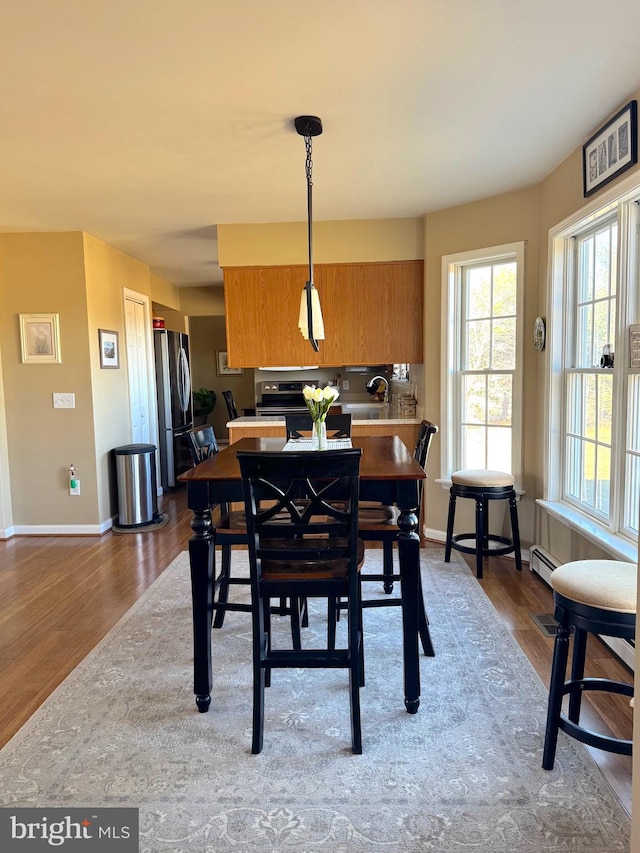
(60, 595)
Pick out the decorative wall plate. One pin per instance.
(539, 334)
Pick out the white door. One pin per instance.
(137, 367)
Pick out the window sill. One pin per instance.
(619, 547)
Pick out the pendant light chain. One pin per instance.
(309, 172)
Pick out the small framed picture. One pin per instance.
(109, 348)
(223, 367)
(40, 338)
(612, 150)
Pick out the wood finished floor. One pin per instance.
(60, 595)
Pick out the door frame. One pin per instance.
(141, 298)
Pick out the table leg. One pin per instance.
(409, 559)
(201, 557)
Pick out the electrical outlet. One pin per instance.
(345, 384)
(64, 400)
(74, 487)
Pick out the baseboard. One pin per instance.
(62, 529)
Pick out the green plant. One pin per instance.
(204, 402)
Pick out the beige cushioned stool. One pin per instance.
(590, 596)
(483, 486)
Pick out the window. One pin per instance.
(594, 428)
(482, 338)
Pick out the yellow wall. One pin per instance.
(508, 218)
(107, 272)
(202, 301)
(45, 273)
(164, 293)
(333, 242)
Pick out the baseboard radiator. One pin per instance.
(543, 563)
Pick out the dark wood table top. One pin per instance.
(384, 457)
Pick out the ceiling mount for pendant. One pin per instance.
(310, 318)
(308, 125)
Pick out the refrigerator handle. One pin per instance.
(185, 381)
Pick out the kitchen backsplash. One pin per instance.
(355, 392)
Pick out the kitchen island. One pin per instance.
(366, 419)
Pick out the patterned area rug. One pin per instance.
(463, 774)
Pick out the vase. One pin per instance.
(319, 436)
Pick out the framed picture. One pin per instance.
(223, 367)
(40, 338)
(109, 348)
(611, 150)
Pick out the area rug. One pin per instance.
(463, 774)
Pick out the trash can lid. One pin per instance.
(131, 449)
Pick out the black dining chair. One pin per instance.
(202, 443)
(379, 523)
(338, 425)
(316, 554)
(231, 406)
(230, 528)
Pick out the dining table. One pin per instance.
(389, 473)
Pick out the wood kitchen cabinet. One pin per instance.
(372, 314)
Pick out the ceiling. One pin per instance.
(147, 123)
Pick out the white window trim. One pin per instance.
(560, 271)
(451, 270)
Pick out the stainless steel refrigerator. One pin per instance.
(173, 382)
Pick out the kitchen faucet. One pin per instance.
(371, 386)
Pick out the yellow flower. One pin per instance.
(319, 400)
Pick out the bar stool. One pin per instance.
(483, 486)
(591, 596)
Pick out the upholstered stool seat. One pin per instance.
(483, 486)
(591, 596)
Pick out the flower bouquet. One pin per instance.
(319, 401)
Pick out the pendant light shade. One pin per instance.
(310, 317)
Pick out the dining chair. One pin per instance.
(338, 425)
(379, 523)
(202, 443)
(231, 405)
(230, 528)
(317, 553)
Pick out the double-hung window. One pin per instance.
(594, 430)
(482, 331)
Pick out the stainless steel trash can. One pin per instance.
(137, 490)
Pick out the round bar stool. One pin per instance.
(483, 486)
(591, 596)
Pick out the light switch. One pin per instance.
(64, 400)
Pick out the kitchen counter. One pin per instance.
(361, 415)
(366, 419)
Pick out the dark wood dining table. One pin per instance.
(388, 473)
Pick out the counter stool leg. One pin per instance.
(515, 530)
(577, 672)
(450, 517)
(556, 692)
(480, 535)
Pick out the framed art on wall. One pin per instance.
(109, 348)
(223, 368)
(612, 150)
(40, 338)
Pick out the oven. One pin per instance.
(281, 398)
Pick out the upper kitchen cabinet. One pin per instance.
(372, 314)
(262, 305)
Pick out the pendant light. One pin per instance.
(310, 318)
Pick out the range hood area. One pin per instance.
(289, 369)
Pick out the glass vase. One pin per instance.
(319, 436)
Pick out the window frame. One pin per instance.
(452, 272)
(623, 204)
